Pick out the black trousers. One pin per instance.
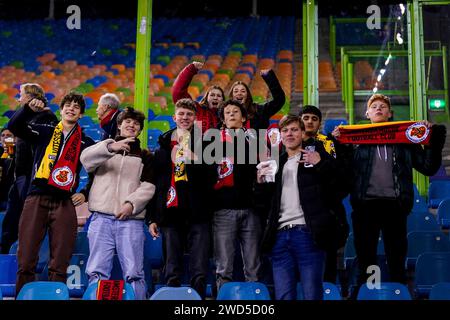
(195, 238)
(16, 198)
(368, 220)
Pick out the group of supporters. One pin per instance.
(282, 199)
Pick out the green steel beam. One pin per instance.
(394, 53)
(445, 71)
(396, 92)
(435, 2)
(332, 41)
(142, 70)
(310, 53)
(350, 97)
(416, 69)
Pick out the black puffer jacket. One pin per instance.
(317, 200)
(426, 160)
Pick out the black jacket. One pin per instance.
(317, 191)
(426, 160)
(39, 135)
(194, 196)
(265, 111)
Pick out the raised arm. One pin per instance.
(181, 84)
(278, 96)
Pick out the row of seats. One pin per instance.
(255, 291)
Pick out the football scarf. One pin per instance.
(178, 168)
(226, 167)
(385, 133)
(60, 171)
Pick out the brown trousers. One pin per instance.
(42, 212)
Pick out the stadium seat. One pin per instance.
(44, 290)
(422, 222)
(329, 125)
(425, 241)
(387, 291)
(443, 213)
(431, 268)
(8, 273)
(330, 291)
(44, 253)
(81, 243)
(91, 292)
(77, 280)
(438, 191)
(440, 291)
(153, 136)
(243, 291)
(175, 293)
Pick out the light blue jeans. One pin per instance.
(105, 234)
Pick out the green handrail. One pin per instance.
(142, 71)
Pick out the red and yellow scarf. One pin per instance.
(61, 171)
(385, 133)
(178, 168)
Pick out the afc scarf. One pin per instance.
(178, 168)
(60, 171)
(385, 133)
(226, 166)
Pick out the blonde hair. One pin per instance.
(34, 90)
(379, 96)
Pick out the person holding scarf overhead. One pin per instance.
(182, 202)
(51, 199)
(382, 156)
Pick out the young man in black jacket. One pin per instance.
(51, 200)
(182, 202)
(312, 119)
(382, 191)
(235, 217)
(302, 225)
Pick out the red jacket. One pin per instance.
(207, 116)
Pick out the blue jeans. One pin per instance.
(229, 226)
(105, 234)
(295, 253)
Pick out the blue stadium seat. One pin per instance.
(243, 291)
(440, 291)
(349, 252)
(431, 268)
(77, 280)
(81, 243)
(329, 125)
(443, 213)
(387, 291)
(425, 241)
(153, 135)
(95, 134)
(86, 122)
(422, 222)
(91, 292)
(330, 291)
(44, 253)
(175, 293)
(166, 118)
(8, 273)
(438, 191)
(44, 290)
